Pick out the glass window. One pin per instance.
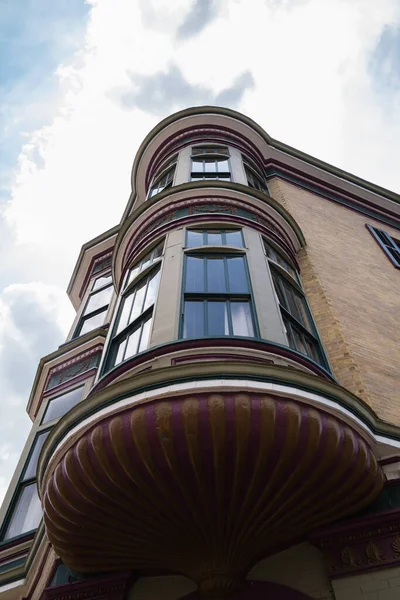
(96, 307)
(214, 237)
(144, 262)
(300, 331)
(278, 258)
(217, 298)
(102, 263)
(60, 405)
(255, 178)
(26, 512)
(389, 245)
(132, 328)
(207, 164)
(30, 469)
(163, 182)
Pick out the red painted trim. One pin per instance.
(89, 272)
(33, 586)
(71, 382)
(16, 542)
(202, 343)
(193, 357)
(332, 188)
(10, 557)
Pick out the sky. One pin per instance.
(82, 83)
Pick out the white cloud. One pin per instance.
(312, 89)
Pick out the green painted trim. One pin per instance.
(284, 148)
(216, 370)
(11, 576)
(11, 565)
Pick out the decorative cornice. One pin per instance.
(359, 545)
(110, 587)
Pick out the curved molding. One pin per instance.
(161, 212)
(144, 387)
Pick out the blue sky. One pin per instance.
(82, 83)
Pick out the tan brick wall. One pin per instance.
(378, 585)
(354, 293)
(301, 568)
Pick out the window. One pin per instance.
(296, 316)
(26, 512)
(144, 262)
(102, 263)
(163, 182)
(278, 258)
(389, 245)
(60, 405)
(214, 237)
(132, 329)
(254, 178)
(95, 310)
(217, 297)
(210, 162)
(30, 468)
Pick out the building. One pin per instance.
(223, 419)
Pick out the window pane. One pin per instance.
(145, 261)
(138, 301)
(124, 315)
(132, 344)
(217, 318)
(193, 320)
(60, 405)
(197, 166)
(144, 340)
(120, 352)
(100, 281)
(234, 238)
(242, 321)
(30, 470)
(91, 323)
(158, 250)
(214, 238)
(152, 290)
(194, 238)
(98, 300)
(297, 306)
(237, 275)
(216, 275)
(194, 274)
(27, 512)
(223, 166)
(210, 165)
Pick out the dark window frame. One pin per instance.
(102, 309)
(117, 337)
(308, 334)
(254, 179)
(79, 386)
(227, 297)
(222, 231)
(210, 153)
(389, 245)
(168, 173)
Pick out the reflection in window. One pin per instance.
(278, 258)
(132, 328)
(389, 245)
(255, 180)
(26, 512)
(60, 405)
(163, 182)
(96, 307)
(296, 316)
(30, 469)
(217, 297)
(210, 162)
(214, 237)
(144, 262)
